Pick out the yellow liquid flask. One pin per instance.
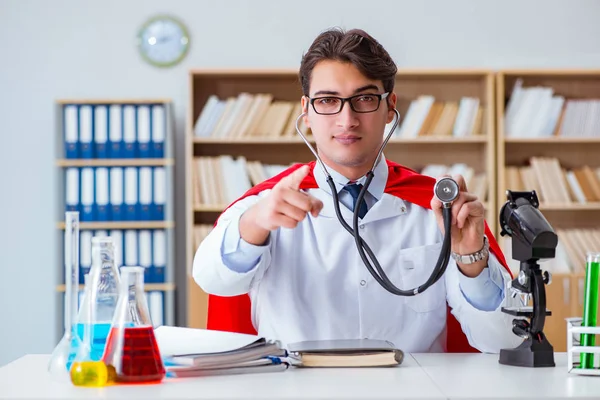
(85, 370)
(132, 353)
(64, 352)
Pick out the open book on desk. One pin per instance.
(201, 352)
(345, 353)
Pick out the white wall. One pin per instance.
(85, 49)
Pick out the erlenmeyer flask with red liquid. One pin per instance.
(132, 354)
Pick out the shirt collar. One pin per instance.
(376, 187)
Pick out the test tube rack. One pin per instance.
(574, 349)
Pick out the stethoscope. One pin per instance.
(445, 189)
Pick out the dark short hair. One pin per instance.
(354, 46)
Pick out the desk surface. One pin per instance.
(421, 376)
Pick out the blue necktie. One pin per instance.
(354, 190)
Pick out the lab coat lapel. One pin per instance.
(389, 206)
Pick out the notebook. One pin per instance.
(201, 352)
(345, 353)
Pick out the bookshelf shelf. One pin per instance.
(555, 157)
(148, 287)
(293, 140)
(592, 206)
(122, 225)
(114, 164)
(112, 101)
(110, 162)
(205, 145)
(554, 141)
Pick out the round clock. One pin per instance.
(163, 41)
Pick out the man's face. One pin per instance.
(347, 139)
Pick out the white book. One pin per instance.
(155, 305)
(129, 125)
(102, 187)
(145, 250)
(71, 129)
(143, 127)
(100, 125)
(72, 188)
(85, 125)
(131, 248)
(87, 189)
(159, 251)
(117, 236)
(116, 186)
(575, 187)
(115, 132)
(131, 186)
(159, 126)
(202, 123)
(145, 175)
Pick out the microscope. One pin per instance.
(533, 239)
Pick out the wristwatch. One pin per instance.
(473, 257)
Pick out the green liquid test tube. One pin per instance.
(590, 306)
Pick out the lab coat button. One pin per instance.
(363, 282)
(362, 227)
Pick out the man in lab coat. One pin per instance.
(281, 246)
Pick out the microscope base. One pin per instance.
(530, 353)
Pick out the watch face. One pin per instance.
(163, 41)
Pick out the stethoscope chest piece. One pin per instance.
(446, 190)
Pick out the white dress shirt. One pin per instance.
(310, 283)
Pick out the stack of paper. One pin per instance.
(191, 352)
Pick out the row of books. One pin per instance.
(476, 183)
(427, 117)
(114, 131)
(553, 183)
(538, 111)
(570, 257)
(220, 180)
(248, 115)
(145, 248)
(116, 193)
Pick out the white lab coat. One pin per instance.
(311, 284)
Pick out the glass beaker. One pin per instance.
(132, 354)
(590, 306)
(64, 352)
(103, 292)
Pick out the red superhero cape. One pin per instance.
(233, 313)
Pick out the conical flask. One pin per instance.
(85, 371)
(103, 292)
(65, 350)
(132, 354)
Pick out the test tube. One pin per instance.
(590, 306)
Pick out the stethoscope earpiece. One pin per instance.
(446, 190)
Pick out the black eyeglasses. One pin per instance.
(360, 103)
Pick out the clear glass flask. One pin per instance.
(64, 352)
(85, 370)
(132, 354)
(102, 292)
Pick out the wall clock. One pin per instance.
(163, 41)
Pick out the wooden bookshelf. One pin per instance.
(573, 148)
(478, 150)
